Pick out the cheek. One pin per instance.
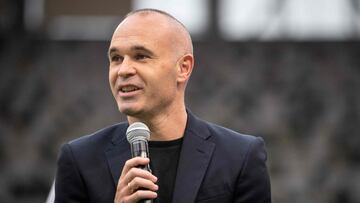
(112, 77)
(112, 81)
(168, 83)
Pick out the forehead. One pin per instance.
(152, 31)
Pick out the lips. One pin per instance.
(129, 88)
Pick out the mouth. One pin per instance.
(128, 89)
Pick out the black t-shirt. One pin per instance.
(164, 157)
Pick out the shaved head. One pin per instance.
(180, 36)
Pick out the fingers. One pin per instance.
(135, 196)
(141, 183)
(136, 172)
(134, 183)
(134, 162)
(139, 189)
(141, 195)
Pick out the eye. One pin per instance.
(116, 58)
(141, 56)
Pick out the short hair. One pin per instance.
(153, 10)
(169, 16)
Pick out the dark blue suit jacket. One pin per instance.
(216, 165)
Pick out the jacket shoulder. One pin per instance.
(223, 134)
(102, 136)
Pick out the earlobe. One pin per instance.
(185, 67)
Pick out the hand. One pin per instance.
(133, 178)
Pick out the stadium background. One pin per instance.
(284, 70)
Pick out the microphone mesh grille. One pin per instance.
(137, 131)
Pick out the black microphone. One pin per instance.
(138, 135)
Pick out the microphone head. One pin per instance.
(137, 131)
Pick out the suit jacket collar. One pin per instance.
(118, 152)
(194, 158)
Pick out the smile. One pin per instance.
(129, 89)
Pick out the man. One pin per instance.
(151, 60)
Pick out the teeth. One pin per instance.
(129, 89)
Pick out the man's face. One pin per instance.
(142, 72)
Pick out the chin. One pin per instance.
(129, 111)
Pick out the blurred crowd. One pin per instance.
(302, 98)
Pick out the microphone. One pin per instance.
(138, 135)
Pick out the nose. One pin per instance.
(126, 68)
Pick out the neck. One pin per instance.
(167, 125)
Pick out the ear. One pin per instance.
(185, 67)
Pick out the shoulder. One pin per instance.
(226, 133)
(243, 158)
(82, 165)
(100, 138)
(232, 139)
(89, 149)
(238, 163)
(225, 139)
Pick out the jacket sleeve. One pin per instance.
(253, 183)
(69, 185)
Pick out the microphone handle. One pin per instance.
(141, 149)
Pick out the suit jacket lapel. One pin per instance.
(118, 153)
(193, 162)
(194, 159)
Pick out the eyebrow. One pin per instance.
(143, 49)
(133, 48)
